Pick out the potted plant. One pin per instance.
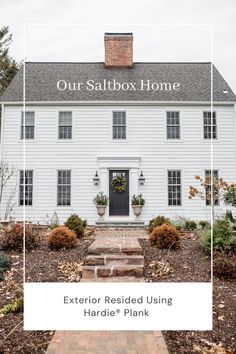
(137, 203)
(101, 201)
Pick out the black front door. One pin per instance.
(118, 201)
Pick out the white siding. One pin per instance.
(92, 138)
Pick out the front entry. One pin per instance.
(118, 200)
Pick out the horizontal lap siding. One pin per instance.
(92, 137)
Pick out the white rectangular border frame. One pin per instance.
(211, 29)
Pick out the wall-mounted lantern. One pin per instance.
(96, 179)
(141, 179)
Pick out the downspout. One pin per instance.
(1, 135)
(1, 143)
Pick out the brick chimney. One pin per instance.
(118, 49)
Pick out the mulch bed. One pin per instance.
(13, 339)
(42, 263)
(41, 266)
(189, 263)
(224, 324)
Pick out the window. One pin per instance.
(26, 187)
(27, 127)
(65, 125)
(209, 125)
(173, 125)
(119, 125)
(208, 187)
(174, 188)
(64, 187)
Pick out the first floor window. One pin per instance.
(209, 182)
(174, 187)
(64, 187)
(173, 125)
(119, 125)
(27, 125)
(26, 187)
(209, 125)
(65, 125)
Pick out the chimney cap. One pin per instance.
(118, 34)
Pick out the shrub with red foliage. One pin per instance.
(224, 265)
(165, 236)
(12, 239)
(62, 237)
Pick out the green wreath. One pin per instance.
(119, 184)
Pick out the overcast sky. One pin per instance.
(73, 30)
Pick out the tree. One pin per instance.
(7, 172)
(210, 189)
(8, 66)
(230, 196)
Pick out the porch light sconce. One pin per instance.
(141, 179)
(96, 179)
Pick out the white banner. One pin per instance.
(118, 306)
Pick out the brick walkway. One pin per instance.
(107, 342)
(124, 241)
(137, 233)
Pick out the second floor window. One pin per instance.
(174, 187)
(65, 125)
(209, 182)
(27, 125)
(26, 187)
(119, 125)
(173, 125)
(64, 187)
(209, 125)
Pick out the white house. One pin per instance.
(116, 118)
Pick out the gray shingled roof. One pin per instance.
(194, 78)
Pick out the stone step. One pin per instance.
(117, 270)
(99, 249)
(113, 259)
(120, 224)
(113, 279)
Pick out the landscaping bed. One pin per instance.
(13, 339)
(46, 265)
(224, 321)
(188, 263)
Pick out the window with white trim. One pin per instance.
(174, 187)
(27, 125)
(209, 183)
(26, 187)
(119, 125)
(209, 125)
(173, 125)
(65, 125)
(64, 187)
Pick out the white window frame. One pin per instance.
(24, 188)
(171, 125)
(175, 185)
(210, 126)
(208, 172)
(70, 185)
(58, 133)
(126, 128)
(22, 121)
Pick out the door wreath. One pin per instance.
(119, 184)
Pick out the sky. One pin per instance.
(164, 30)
